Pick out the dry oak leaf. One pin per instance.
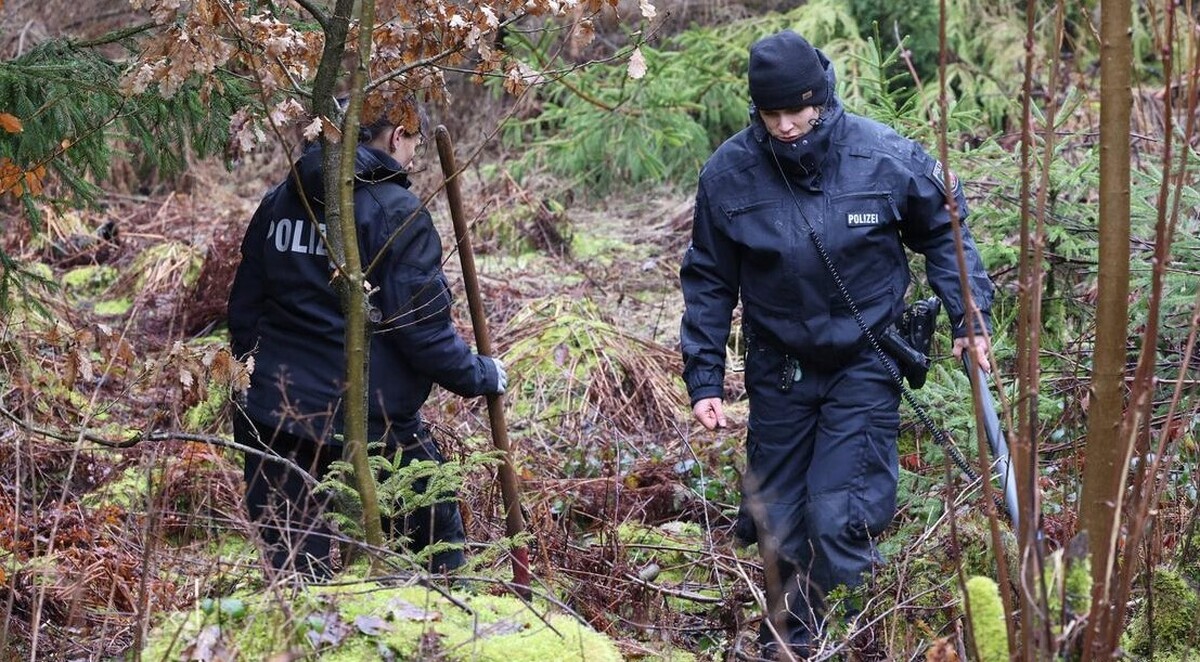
(9, 122)
(637, 64)
(941, 650)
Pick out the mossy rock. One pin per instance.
(1173, 627)
(369, 621)
(112, 308)
(89, 281)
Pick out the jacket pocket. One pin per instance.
(863, 210)
(760, 230)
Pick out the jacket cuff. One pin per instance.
(701, 392)
(490, 381)
(960, 328)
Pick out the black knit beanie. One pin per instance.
(785, 72)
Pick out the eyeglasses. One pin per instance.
(419, 150)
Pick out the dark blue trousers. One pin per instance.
(820, 481)
(290, 516)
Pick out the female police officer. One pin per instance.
(805, 215)
(284, 311)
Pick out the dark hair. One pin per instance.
(383, 115)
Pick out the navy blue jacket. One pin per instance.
(284, 311)
(866, 191)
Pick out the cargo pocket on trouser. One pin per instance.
(875, 501)
(844, 522)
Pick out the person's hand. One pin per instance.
(979, 349)
(501, 375)
(710, 413)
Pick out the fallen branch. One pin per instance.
(165, 435)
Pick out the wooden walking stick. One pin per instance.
(514, 521)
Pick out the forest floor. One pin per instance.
(119, 485)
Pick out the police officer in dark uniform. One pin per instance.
(804, 215)
(286, 315)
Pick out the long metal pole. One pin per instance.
(995, 435)
(514, 521)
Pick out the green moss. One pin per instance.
(39, 270)
(599, 249)
(1069, 587)
(974, 538)
(670, 544)
(168, 263)
(112, 308)
(356, 623)
(90, 280)
(128, 491)
(230, 549)
(987, 620)
(502, 230)
(220, 339)
(674, 556)
(521, 229)
(569, 361)
(253, 636)
(204, 413)
(1171, 627)
(1190, 569)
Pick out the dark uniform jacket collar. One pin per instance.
(371, 166)
(801, 160)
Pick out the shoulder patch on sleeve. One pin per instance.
(937, 174)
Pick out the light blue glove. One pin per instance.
(501, 375)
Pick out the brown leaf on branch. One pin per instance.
(637, 64)
(8, 122)
(942, 650)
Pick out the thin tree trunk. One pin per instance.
(1103, 476)
(354, 293)
(1146, 487)
(1036, 637)
(972, 318)
(342, 237)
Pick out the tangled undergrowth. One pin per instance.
(122, 496)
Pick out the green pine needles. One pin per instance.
(603, 131)
(400, 490)
(75, 123)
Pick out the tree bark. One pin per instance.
(1103, 476)
(355, 293)
(342, 236)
